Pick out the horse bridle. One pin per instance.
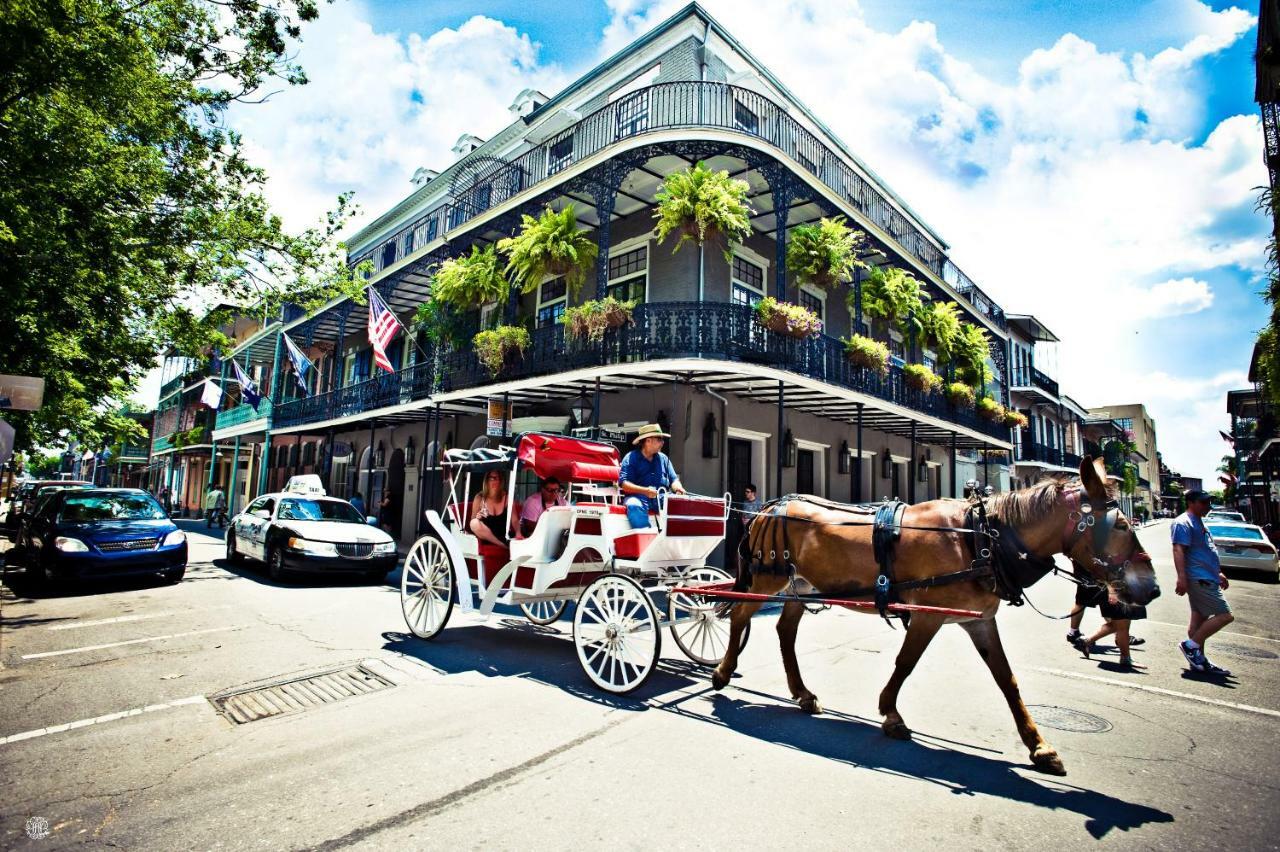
(1082, 517)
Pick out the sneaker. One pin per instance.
(1212, 669)
(1135, 641)
(1073, 637)
(1195, 657)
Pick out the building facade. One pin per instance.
(1126, 434)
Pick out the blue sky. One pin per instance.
(1089, 162)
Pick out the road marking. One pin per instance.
(129, 642)
(1248, 708)
(1219, 633)
(123, 618)
(98, 720)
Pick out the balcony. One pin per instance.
(670, 330)
(1031, 379)
(681, 105)
(242, 413)
(1041, 453)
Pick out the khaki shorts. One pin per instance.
(1206, 598)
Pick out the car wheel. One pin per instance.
(275, 564)
(175, 575)
(234, 556)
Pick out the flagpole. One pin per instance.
(403, 327)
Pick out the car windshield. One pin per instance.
(51, 489)
(319, 510)
(111, 507)
(1227, 516)
(1229, 531)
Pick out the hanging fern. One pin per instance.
(894, 296)
(498, 347)
(551, 245)
(703, 205)
(969, 353)
(470, 281)
(824, 253)
(941, 321)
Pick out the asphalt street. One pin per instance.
(492, 737)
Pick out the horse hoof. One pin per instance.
(719, 681)
(1048, 762)
(810, 705)
(897, 730)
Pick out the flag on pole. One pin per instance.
(300, 363)
(248, 390)
(382, 327)
(212, 394)
(1227, 438)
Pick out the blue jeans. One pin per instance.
(637, 511)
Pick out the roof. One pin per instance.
(1031, 327)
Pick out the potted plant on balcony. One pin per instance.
(892, 296)
(990, 409)
(921, 378)
(704, 206)
(862, 351)
(785, 318)
(969, 352)
(439, 323)
(940, 323)
(592, 319)
(470, 281)
(960, 395)
(550, 245)
(501, 347)
(1014, 419)
(825, 252)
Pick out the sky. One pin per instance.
(1093, 163)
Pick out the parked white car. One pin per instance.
(1243, 546)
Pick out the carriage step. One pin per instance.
(297, 693)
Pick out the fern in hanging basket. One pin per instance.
(921, 378)
(470, 281)
(785, 318)
(501, 347)
(1014, 419)
(862, 351)
(592, 319)
(990, 409)
(892, 295)
(969, 352)
(940, 323)
(960, 395)
(704, 206)
(824, 253)
(550, 245)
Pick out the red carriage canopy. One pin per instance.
(568, 458)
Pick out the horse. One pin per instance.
(830, 547)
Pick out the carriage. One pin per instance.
(585, 551)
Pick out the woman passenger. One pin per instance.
(489, 510)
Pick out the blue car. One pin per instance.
(102, 532)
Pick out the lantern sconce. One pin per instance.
(788, 450)
(922, 470)
(711, 438)
(410, 452)
(380, 457)
(886, 465)
(842, 461)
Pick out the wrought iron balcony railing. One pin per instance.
(242, 413)
(1029, 451)
(667, 106)
(1031, 377)
(660, 330)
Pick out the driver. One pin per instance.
(644, 470)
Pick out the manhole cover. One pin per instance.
(296, 694)
(1243, 651)
(1066, 719)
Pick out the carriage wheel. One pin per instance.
(615, 629)
(426, 587)
(700, 625)
(543, 613)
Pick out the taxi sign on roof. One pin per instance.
(306, 483)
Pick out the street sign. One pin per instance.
(22, 393)
(496, 424)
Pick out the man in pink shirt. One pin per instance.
(548, 495)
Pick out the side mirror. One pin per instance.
(371, 521)
(262, 513)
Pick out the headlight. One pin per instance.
(385, 547)
(70, 545)
(314, 548)
(175, 537)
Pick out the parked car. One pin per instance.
(28, 494)
(307, 531)
(102, 532)
(1243, 546)
(1225, 515)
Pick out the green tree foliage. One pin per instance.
(1268, 342)
(126, 203)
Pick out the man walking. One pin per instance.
(1200, 578)
(215, 506)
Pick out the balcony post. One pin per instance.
(912, 468)
(857, 476)
(954, 491)
(783, 192)
(857, 301)
(780, 438)
(606, 195)
(235, 470)
(266, 438)
(986, 467)
(368, 479)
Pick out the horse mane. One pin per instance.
(1028, 506)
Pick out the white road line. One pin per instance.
(1248, 708)
(98, 720)
(123, 618)
(1183, 627)
(129, 642)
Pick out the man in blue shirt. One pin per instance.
(1200, 578)
(645, 470)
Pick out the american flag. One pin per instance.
(383, 326)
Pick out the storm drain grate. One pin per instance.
(1242, 651)
(1066, 719)
(298, 694)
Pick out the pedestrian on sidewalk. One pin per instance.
(1200, 578)
(215, 506)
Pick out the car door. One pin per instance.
(261, 527)
(245, 528)
(38, 527)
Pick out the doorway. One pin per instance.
(395, 488)
(805, 460)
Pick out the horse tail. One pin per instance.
(742, 578)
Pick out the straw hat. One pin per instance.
(649, 430)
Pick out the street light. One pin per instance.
(582, 410)
(842, 461)
(788, 450)
(410, 453)
(711, 438)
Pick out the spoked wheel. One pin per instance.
(700, 626)
(426, 587)
(543, 613)
(615, 629)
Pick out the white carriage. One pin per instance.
(585, 550)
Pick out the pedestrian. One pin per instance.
(750, 503)
(215, 505)
(166, 499)
(1089, 594)
(1118, 618)
(1200, 578)
(645, 470)
(357, 503)
(386, 513)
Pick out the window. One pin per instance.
(308, 453)
(457, 215)
(489, 316)
(813, 301)
(388, 254)
(930, 361)
(408, 244)
(629, 275)
(552, 300)
(432, 225)
(896, 347)
(744, 118)
(483, 196)
(633, 115)
(747, 281)
(560, 154)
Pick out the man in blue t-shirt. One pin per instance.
(644, 470)
(1200, 578)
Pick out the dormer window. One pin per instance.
(466, 144)
(527, 103)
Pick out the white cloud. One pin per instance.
(1166, 299)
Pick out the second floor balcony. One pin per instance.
(243, 414)
(1029, 380)
(1029, 451)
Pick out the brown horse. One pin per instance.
(831, 548)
